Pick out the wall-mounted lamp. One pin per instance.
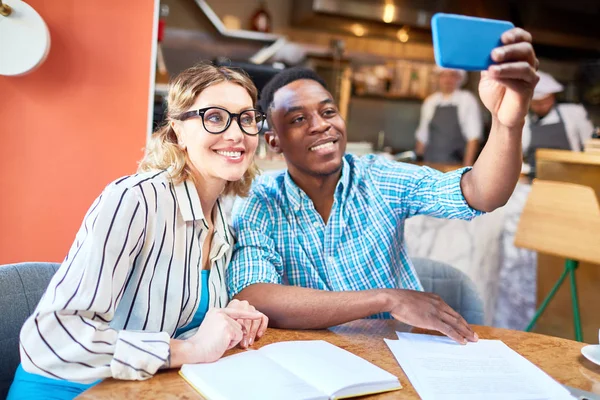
(24, 38)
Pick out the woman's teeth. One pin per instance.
(234, 154)
(322, 146)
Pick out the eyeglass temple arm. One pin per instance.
(185, 115)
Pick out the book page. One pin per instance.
(248, 375)
(439, 368)
(333, 370)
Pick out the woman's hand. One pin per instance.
(219, 332)
(254, 329)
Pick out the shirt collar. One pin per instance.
(189, 205)
(220, 223)
(441, 99)
(552, 117)
(221, 240)
(296, 196)
(344, 184)
(188, 201)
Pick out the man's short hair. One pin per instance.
(282, 79)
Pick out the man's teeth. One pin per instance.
(322, 146)
(234, 154)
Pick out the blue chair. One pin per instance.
(21, 288)
(453, 286)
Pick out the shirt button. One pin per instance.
(331, 261)
(316, 224)
(297, 208)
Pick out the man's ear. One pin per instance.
(273, 141)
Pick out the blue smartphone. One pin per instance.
(462, 42)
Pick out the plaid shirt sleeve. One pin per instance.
(255, 259)
(413, 190)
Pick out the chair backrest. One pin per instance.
(569, 166)
(561, 219)
(453, 286)
(21, 287)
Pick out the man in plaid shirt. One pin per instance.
(322, 243)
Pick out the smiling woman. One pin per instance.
(142, 287)
(178, 145)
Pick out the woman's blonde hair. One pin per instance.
(163, 150)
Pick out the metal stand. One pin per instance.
(570, 268)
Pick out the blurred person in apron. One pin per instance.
(450, 127)
(550, 125)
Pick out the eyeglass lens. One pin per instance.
(217, 120)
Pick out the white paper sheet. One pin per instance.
(439, 368)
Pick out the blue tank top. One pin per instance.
(28, 386)
(202, 307)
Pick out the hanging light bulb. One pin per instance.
(358, 30)
(402, 34)
(389, 10)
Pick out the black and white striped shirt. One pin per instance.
(131, 278)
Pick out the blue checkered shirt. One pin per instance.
(281, 238)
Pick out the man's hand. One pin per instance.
(506, 88)
(429, 311)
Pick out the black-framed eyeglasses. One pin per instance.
(217, 120)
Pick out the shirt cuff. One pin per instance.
(422, 136)
(234, 290)
(450, 183)
(138, 355)
(472, 136)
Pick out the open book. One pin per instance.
(289, 370)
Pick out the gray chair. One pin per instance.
(453, 286)
(21, 287)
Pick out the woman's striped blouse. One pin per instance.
(131, 278)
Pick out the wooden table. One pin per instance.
(560, 358)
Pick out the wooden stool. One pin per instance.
(561, 219)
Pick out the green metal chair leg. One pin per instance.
(540, 310)
(570, 268)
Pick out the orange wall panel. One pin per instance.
(73, 125)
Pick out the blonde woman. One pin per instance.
(142, 287)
